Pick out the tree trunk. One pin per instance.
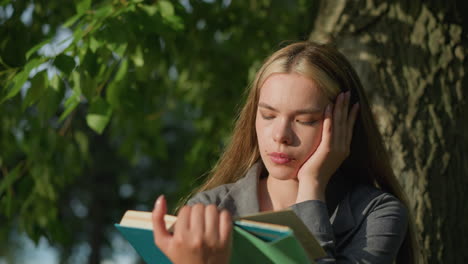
(410, 56)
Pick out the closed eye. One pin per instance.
(308, 123)
(267, 117)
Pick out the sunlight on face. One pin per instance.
(288, 122)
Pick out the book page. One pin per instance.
(290, 219)
(144, 220)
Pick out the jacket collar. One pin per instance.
(242, 199)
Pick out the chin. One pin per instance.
(281, 172)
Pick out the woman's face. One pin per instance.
(288, 122)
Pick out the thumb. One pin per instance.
(160, 233)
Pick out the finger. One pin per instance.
(225, 227)
(351, 121)
(343, 129)
(197, 220)
(347, 97)
(327, 128)
(211, 223)
(182, 223)
(160, 234)
(338, 134)
(337, 110)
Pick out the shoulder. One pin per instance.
(239, 198)
(367, 199)
(213, 196)
(374, 206)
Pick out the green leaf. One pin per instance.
(83, 143)
(76, 77)
(83, 6)
(42, 183)
(122, 71)
(4, 64)
(103, 11)
(16, 84)
(19, 80)
(72, 20)
(175, 22)
(70, 104)
(93, 44)
(149, 9)
(64, 63)
(118, 48)
(55, 83)
(166, 8)
(94, 26)
(137, 57)
(51, 99)
(113, 92)
(32, 50)
(9, 203)
(8, 179)
(88, 85)
(90, 64)
(38, 84)
(78, 35)
(98, 115)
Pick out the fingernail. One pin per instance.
(159, 201)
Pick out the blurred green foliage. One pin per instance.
(106, 104)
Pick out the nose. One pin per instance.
(283, 133)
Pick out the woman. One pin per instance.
(305, 139)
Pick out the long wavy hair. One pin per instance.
(368, 161)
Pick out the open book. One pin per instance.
(268, 237)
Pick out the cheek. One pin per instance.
(261, 134)
(312, 139)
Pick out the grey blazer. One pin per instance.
(367, 226)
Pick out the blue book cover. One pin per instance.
(143, 242)
(253, 242)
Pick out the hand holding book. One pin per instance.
(202, 234)
(266, 237)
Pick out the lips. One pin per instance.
(280, 158)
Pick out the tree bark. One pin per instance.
(411, 57)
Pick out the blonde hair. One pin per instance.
(368, 161)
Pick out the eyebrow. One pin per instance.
(300, 111)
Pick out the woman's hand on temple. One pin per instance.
(334, 148)
(202, 234)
